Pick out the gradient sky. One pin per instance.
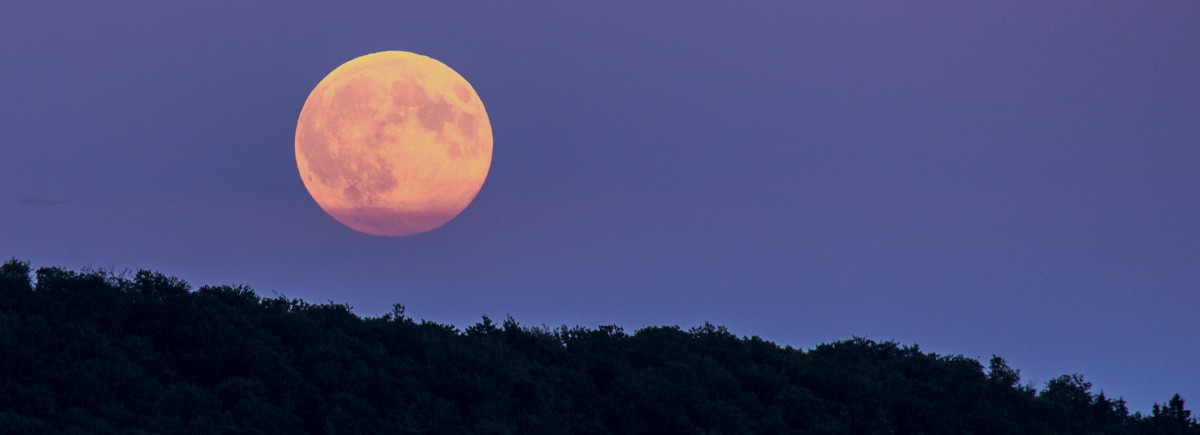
(1011, 178)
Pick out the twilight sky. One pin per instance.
(1017, 178)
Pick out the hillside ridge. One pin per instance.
(97, 352)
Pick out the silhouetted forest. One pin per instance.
(98, 352)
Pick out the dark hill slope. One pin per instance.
(90, 352)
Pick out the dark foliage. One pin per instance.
(96, 352)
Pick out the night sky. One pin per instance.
(1010, 178)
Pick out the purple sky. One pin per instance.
(1020, 179)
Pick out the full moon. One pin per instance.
(393, 144)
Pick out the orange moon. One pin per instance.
(393, 144)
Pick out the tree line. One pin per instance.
(98, 352)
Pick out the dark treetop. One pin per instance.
(98, 352)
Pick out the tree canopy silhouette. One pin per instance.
(98, 352)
